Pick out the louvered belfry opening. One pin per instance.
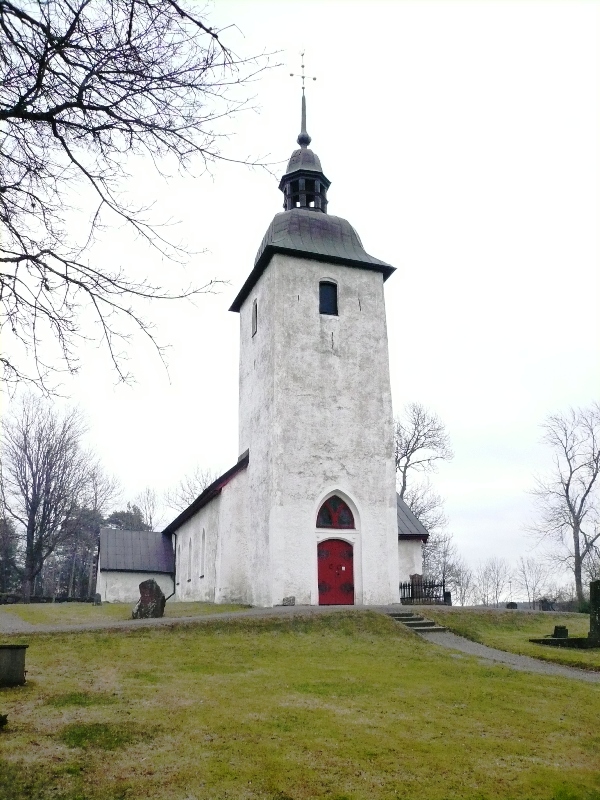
(305, 192)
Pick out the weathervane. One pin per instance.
(302, 76)
(303, 139)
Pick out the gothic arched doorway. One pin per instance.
(335, 559)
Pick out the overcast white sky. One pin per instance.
(461, 140)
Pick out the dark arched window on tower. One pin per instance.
(334, 513)
(254, 318)
(328, 300)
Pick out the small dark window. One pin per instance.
(328, 303)
(334, 513)
(254, 318)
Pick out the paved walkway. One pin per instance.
(12, 624)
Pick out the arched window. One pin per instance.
(203, 553)
(189, 570)
(328, 298)
(334, 513)
(254, 317)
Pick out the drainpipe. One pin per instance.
(175, 572)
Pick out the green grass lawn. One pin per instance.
(345, 706)
(512, 630)
(80, 613)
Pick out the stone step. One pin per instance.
(416, 623)
(429, 629)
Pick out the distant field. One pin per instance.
(511, 630)
(79, 613)
(344, 706)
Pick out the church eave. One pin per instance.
(271, 249)
(304, 172)
(407, 537)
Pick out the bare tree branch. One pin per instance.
(45, 474)
(189, 487)
(420, 441)
(85, 86)
(567, 499)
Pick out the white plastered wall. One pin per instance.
(316, 414)
(410, 558)
(235, 569)
(192, 581)
(123, 587)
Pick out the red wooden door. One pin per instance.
(336, 573)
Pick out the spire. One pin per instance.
(304, 185)
(303, 137)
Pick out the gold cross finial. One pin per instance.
(302, 75)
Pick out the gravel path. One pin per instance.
(17, 625)
(12, 624)
(490, 655)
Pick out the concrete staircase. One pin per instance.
(416, 622)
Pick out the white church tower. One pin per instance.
(315, 410)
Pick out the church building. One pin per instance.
(309, 513)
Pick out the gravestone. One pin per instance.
(151, 603)
(560, 632)
(594, 610)
(97, 599)
(12, 664)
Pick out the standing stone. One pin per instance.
(594, 610)
(151, 603)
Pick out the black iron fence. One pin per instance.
(421, 592)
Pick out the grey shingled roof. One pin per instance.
(409, 527)
(310, 234)
(135, 551)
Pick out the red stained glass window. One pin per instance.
(334, 513)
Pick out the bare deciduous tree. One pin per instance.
(8, 555)
(147, 502)
(439, 557)
(85, 86)
(420, 442)
(532, 577)
(567, 499)
(462, 583)
(591, 564)
(45, 472)
(491, 579)
(189, 487)
(427, 505)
